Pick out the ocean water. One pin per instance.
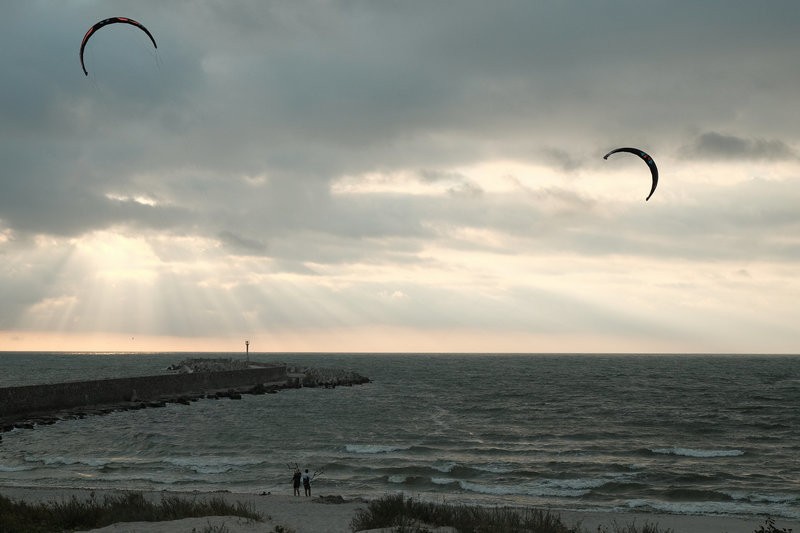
(677, 434)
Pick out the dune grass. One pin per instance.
(73, 514)
(770, 527)
(406, 515)
(411, 516)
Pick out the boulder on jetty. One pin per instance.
(306, 377)
(331, 377)
(191, 365)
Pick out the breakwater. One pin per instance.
(49, 398)
(26, 406)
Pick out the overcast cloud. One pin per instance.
(401, 176)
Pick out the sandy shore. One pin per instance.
(305, 515)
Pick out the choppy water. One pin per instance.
(678, 434)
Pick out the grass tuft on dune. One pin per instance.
(72, 514)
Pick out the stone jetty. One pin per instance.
(185, 382)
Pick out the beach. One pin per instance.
(313, 515)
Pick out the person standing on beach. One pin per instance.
(296, 481)
(307, 482)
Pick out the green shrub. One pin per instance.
(395, 511)
(632, 528)
(769, 527)
(222, 528)
(74, 514)
(408, 515)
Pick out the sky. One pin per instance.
(380, 176)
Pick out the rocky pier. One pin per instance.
(184, 382)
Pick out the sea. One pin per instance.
(680, 434)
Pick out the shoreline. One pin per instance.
(314, 515)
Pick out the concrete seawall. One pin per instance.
(17, 402)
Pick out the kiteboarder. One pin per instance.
(307, 482)
(296, 481)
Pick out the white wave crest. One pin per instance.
(444, 467)
(4, 468)
(374, 448)
(497, 490)
(711, 507)
(763, 498)
(691, 452)
(546, 489)
(55, 460)
(495, 468)
(574, 484)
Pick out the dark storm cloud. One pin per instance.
(362, 83)
(713, 145)
(297, 95)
